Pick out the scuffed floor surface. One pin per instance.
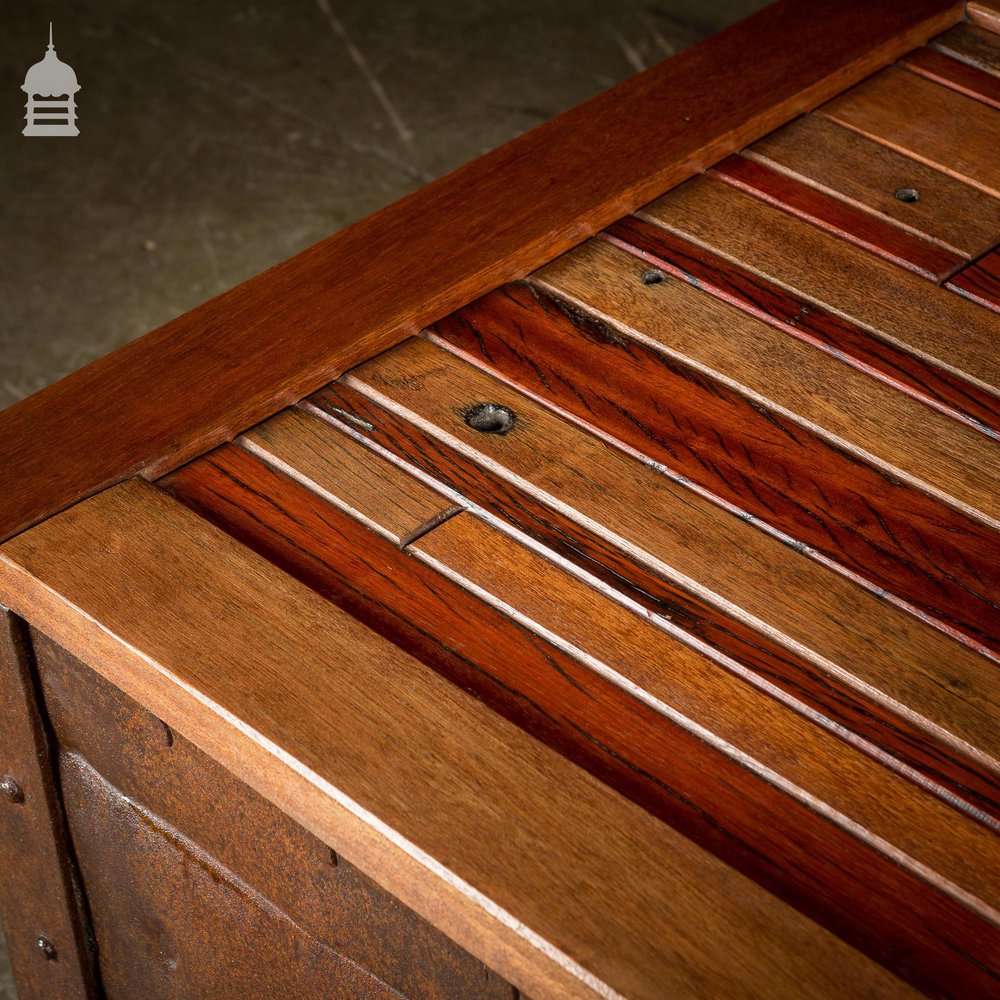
(219, 138)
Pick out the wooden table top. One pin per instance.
(638, 621)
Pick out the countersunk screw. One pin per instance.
(11, 789)
(46, 947)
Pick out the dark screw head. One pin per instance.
(46, 947)
(653, 276)
(11, 790)
(909, 195)
(490, 418)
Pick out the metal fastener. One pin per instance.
(11, 790)
(909, 195)
(653, 276)
(490, 418)
(46, 947)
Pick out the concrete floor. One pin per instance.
(222, 136)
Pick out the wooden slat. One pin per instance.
(985, 13)
(382, 495)
(839, 218)
(842, 404)
(677, 534)
(554, 880)
(972, 44)
(234, 361)
(755, 455)
(897, 306)
(868, 175)
(981, 281)
(39, 896)
(922, 119)
(718, 632)
(957, 75)
(919, 378)
(573, 705)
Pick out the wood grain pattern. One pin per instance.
(536, 865)
(868, 417)
(922, 380)
(690, 541)
(957, 75)
(922, 119)
(738, 447)
(382, 495)
(718, 632)
(839, 218)
(971, 44)
(985, 13)
(39, 895)
(272, 340)
(644, 753)
(889, 302)
(866, 174)
(980, 281)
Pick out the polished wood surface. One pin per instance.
(933, 124)
(980, 281)
(921, 378)
(338, 467)
(961, 76)
(985, 13)
(530, 840)
(573, 707)
(972, 44)
(890, 302)
(272, 340)
(718, 631)
(689, 539)
(867, 175)
(841, 219)
(742, 448)
(634, 623)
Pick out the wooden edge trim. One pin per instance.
(196, 382)
(985, 13)
(420, 882)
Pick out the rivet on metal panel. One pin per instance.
(11, 790)
(47, 948)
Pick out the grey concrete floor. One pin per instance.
(220, 137)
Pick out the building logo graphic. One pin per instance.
(51, 88)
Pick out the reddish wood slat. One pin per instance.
(972, 44)
(932, 385)
(201, 379)
(840, 218)
(852, 168)
(957, 75)
(702, 793)
(721, 634)
(900, 539)
(980, 281)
